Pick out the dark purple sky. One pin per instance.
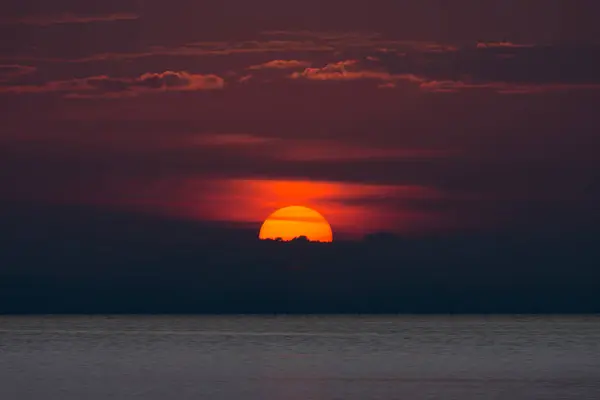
(384, 115)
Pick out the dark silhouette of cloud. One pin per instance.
(68, 18)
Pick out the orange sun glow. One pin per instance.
(291, 222)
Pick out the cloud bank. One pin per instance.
(497, 66)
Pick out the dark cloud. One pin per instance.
(104, 86)
(68, 18)
(504, 67)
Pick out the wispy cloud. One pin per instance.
(68, 18)
(8, 72)
(504, 87)
(230, 139)
(322, 35)
(105, 86)
(285, 42)
(342, 41)
(337, 151)
(287, 149)
(503, 44)
(201, 49)
(281, 64)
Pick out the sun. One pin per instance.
(291, 222)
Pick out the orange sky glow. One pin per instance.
(348, 207)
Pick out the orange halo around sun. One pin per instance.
(289, 223)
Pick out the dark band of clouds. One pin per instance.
(67, 18)
(498, 66)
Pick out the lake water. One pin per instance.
(303, 358)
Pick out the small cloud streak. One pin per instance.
(314, 150)
(491, 45)
(281, 64)
(200, 49)
(287, 149)
(503, 87)
(231, 139)
(296, 218)
(8, 72)
(68, 18)
(105, 86)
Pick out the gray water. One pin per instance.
(288, 358)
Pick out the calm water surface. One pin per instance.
(304, 358)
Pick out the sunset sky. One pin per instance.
(412, 116)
